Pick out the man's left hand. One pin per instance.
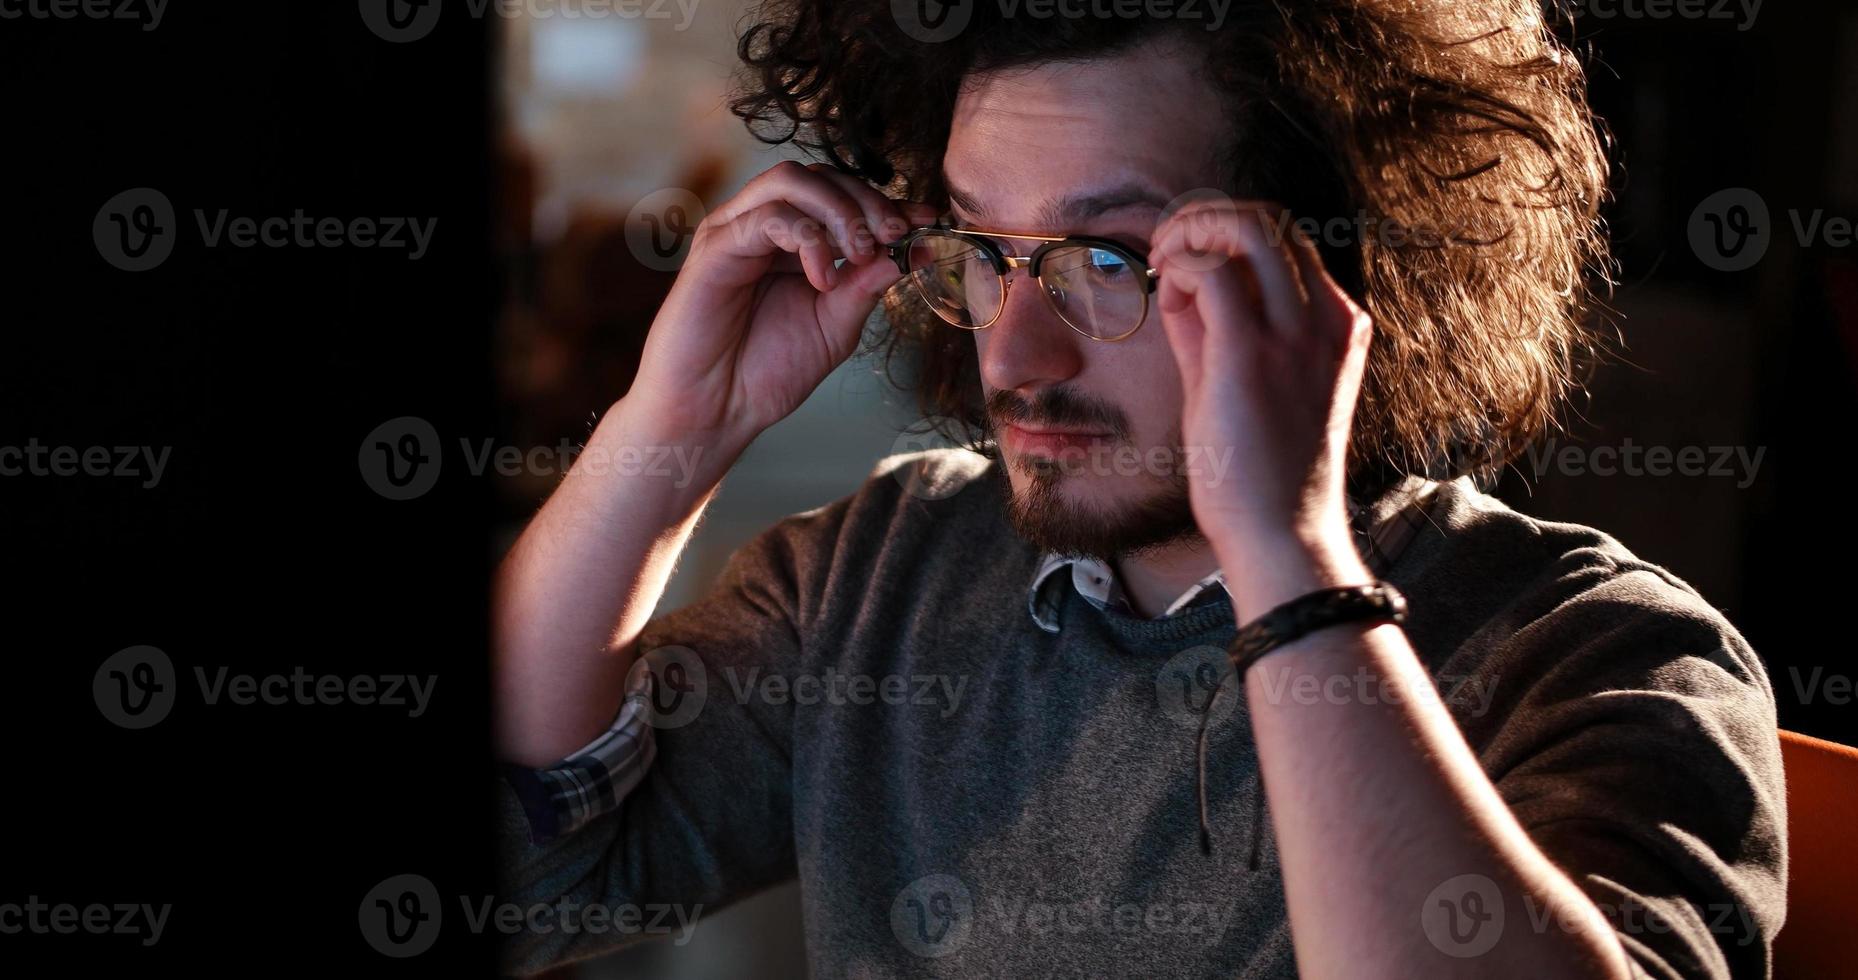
(1271, 353)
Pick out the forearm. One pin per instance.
(586, 574)
(1376, 800)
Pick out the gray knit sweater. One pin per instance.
(869, 707)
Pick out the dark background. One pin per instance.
(263, 549)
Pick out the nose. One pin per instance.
(1028, 347)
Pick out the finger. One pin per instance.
(788, 229)
(1337, 317)
(1251, 237)
(1331, 308)
(843, 310)
(1261, 233)
(1223, 298)
(819, 198)
(884, 221)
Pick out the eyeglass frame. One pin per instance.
(1003, 264)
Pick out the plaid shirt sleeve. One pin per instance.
(593, 780)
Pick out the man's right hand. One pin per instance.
(759, 315)
(755, 321)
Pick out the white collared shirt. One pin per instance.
(1096, 581)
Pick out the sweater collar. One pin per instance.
(1382, 527)
(1096, 580)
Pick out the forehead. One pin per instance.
(1046, 148)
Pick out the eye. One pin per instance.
(1107, 266)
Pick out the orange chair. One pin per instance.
(1820, 938)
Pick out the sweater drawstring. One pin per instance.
(1206, 829)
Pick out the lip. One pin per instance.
(1049, 442)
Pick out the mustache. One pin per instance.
(1057, 406)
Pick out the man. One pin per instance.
(1560, 761)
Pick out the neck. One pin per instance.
(1155, 577)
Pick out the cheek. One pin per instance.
(1147, 384)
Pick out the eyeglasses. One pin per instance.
(1095, 285)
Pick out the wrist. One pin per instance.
(636, 441)
(1267, 571)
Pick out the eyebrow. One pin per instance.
(1072, 208)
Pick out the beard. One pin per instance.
(1046, 512)
(1044, 515)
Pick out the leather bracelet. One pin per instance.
(1377, 603)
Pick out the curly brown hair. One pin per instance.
(1458, 130)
